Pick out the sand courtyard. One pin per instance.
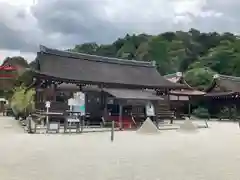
(208, 154)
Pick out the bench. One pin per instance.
(54, 120)
(73, 121)
(39, 118)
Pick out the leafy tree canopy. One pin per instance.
(196, 53)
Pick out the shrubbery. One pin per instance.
(201, 112)
(22, 101)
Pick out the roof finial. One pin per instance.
(216, 76)
(154, 63)
(42, 48)
(179, 74)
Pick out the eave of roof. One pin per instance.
(231, 78)
(49, 77)
(219, 94)
(187, 92)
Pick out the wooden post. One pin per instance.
(229, 112)
(102, 98)
(112, 131)
(189, 108)
(239, 123)
(82, 123)
(29, 119)
(47, 105)
(155, 119)
(47, 118)
(206, 121)
(120, 116)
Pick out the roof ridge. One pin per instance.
(90, 57)
(176, 74)
(170, 75)
(222, 75)
(229, 77)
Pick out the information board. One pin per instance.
(150, 109)
(47, 104)
(77, 103)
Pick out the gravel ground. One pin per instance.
(208, 154)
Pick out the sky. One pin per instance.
(25, 24)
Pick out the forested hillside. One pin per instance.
(197, 54)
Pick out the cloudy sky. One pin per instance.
(24, 24)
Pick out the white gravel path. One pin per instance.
(209, 154)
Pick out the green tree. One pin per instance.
(22, 101)
(201, 78)
(176, 51)
(88, 48)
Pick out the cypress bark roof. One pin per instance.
(85, 68)
(224, 85)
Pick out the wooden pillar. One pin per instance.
(155, 103)
(120, 116)
(112, 131)
(189, 107)
(53, 92)
(177, 109)
(229, 112)
(102, 98)
(168, 95)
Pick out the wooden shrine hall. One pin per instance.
(182, 97)
(224, 95)
(123, 87)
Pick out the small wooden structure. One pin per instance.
(179, 98)
(224, 92)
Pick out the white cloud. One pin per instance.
(194, 7)
(10, 53)
(25, 3)
(182, 19)
(210, 13)
(25, 24)
(138, 11)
